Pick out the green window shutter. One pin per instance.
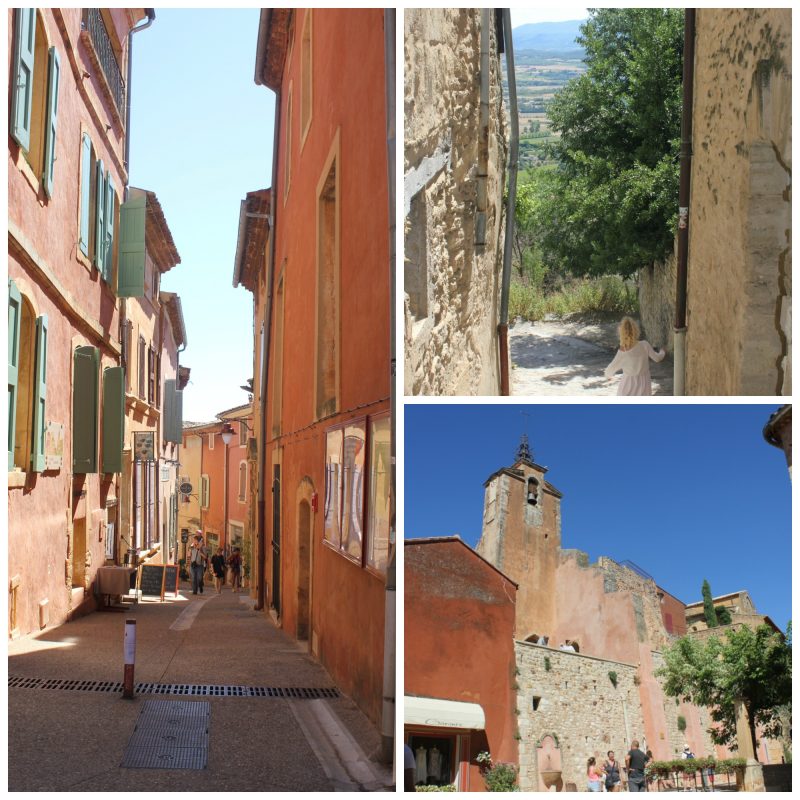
(177, 425)
(54, 73)
(132, 217)
(100, 219)
(86, 192)
(108, 259)
(14, 318)
(22, 75)
(113, 418)
(168, 413)
(39, 395)
(84, 410)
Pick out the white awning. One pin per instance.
(443, 713)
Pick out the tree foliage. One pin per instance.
(708, 606)
(754, 666)
(611, 205)
(723, 615)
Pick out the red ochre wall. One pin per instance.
(213, 465)
(459, 640)
(347, 601)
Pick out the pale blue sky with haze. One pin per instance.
(201, 138)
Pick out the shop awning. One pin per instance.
(443, 713)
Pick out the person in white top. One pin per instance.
(633, 358)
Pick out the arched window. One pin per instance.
(533, 492)
(27, 376)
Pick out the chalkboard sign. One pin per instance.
(151, 580)
(171, 578)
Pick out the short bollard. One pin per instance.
(130, 657)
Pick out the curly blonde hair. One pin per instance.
(628, 333)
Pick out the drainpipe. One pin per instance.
(679, 377)
(502, 328)
(483, 133)
(389, 627)
(262, 404)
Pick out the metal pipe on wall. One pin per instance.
(502, 328)
(684, 195)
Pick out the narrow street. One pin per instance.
(75, 734)
(559, 357)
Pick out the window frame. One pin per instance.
(368, 531)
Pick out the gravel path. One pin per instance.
(567, 357)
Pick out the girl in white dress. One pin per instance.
(633, 358)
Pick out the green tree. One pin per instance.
(708, 606)
(754, 666)
(723, 615)
(610, 207)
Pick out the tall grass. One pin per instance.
(607, 295)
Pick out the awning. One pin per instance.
(443, 713)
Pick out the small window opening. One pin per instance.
(533, 492)
(536, 701)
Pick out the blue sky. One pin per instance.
(201, 138)
(687, 492)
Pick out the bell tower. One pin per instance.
(521, 536)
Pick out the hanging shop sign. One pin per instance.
(53, 445)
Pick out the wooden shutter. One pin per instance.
(39, 395)
(84, 410)
(108, 258)
(131, 270)
(113, 418)
(14, 319)
(54, 74)
(177, 427)
(22, 75)
(100, 219)
(86, 192)
(167, 416)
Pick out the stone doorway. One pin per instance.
(303, 569)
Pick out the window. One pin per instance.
(27, 383)
(85, 400)
(327, 365)
(127, 330)
(436, 759)
(533, 492)
(287, 147)
(277, 370)
(99, 208)
(242, 481)
(242, 433)
(306, 67)
(158, 380)
(536, 701)
(349, 462)
(205, 491)
(211, 438)
(35, 71)
(151, 376)
(142, 355)
(379, 485)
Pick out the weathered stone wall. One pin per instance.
(451, 284)
(657, 302)
(739, 272)
(579, 706)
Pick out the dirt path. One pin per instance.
(560, 357)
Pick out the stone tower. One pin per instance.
(521, 536)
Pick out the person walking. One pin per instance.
(235, 563)
(593, 775)
(198, 558)
(218, 567)
(635, 763)
(613, 779)
(633, 358)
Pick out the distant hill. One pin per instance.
(549, 37)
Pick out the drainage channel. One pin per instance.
(182, 689)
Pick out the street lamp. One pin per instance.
(227, 431)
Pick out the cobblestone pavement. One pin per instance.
(556, 357)
(74, 740)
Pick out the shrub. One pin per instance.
(447, 788)
(547, 664)
(501, 778)
(612, 676)
(681, 724)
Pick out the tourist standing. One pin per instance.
(635, 763)
(593, 776)
(235, 563)
(613, 779)
(218, 567)
(198, 558)
(633, 358)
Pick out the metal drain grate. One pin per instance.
(184, 689)
(169, 734)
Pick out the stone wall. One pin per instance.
(739, 271)
(451, 284)
(657, 303)
(578, 705)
